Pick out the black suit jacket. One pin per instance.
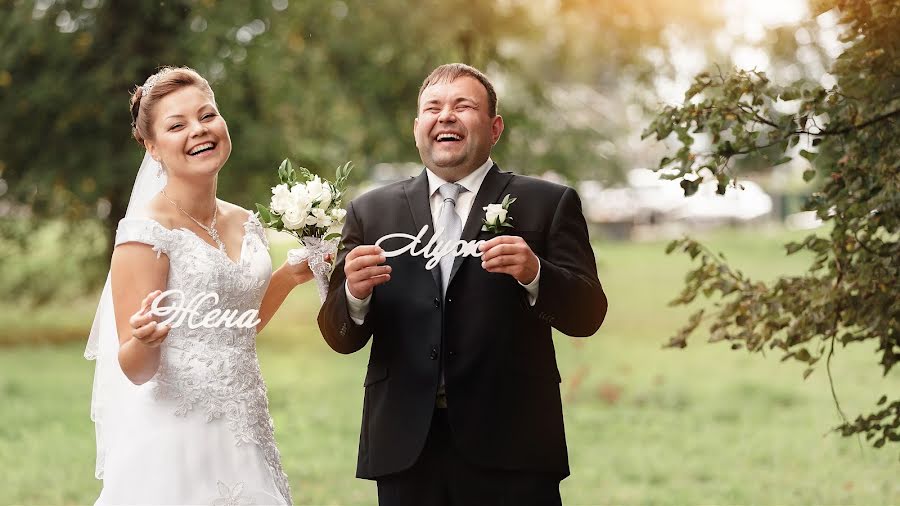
(501, 378)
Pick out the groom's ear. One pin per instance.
(415, 128)
(496, 128)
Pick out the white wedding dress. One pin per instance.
(199, 432)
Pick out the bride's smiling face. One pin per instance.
(190, 138)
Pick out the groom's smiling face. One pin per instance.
(454, 130)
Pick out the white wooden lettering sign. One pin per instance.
(433, 250)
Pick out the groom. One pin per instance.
(462, 403)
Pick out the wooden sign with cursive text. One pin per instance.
(434, 249)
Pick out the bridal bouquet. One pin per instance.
(310, 209)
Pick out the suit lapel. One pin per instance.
(419, 201)
(490, 192)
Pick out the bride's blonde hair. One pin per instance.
(165, 81)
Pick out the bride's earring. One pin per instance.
(161, 170)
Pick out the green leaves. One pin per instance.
(690, 187)
(722, 183)
(793, 247)
(285, 172)
(847, 295)
(264, 214)
(808, 155)
(672, 245)
(342, 174)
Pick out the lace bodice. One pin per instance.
(215, 372)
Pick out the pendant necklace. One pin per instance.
(211, 229)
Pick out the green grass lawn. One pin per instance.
(645, 425)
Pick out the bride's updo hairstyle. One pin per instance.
(165, 81)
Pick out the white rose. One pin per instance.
(322, 220)
(326, 196)
(299, 192)
(303, 205)
(281, 199)
(314, 189)
(312, 218)
(495, 214)
(338, 214)
(293, 218)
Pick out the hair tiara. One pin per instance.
(152, 80)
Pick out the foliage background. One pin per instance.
(328, 81)
(848, 130)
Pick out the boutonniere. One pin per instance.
(496, 216)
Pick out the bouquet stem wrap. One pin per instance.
(315, 250)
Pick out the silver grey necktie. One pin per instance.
(449, 226)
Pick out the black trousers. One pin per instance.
(443, 477)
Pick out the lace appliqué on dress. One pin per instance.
(253, 227)
(148, 232)
(232, 496)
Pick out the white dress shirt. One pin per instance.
(358, 308)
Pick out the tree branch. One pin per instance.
(860, 126)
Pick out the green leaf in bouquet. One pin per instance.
(265, 214)
(291, 173)
(341, 176)
(283, 170)
(333, 235)
(305, 175)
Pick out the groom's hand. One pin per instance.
(364, 270)
(509, 254)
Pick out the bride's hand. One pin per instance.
(145, 328)
(300, 273)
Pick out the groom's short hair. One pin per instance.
(450, 72)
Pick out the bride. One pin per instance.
(182, 413)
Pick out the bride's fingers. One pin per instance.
(145, 331)
(142, 317)
(139, 320)
(149, 299)
(158, 336)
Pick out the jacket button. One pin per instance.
(437, 302)
(452, 354)
(434, 353)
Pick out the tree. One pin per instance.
(67, 72)
(849, 133)
(321, 82)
